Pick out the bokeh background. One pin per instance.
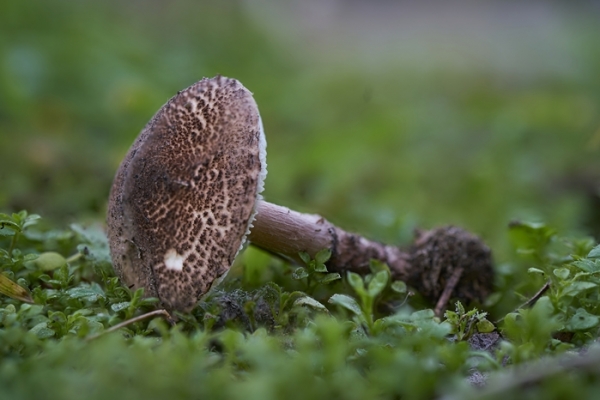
(380, 115)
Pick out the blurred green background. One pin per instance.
(382, 116)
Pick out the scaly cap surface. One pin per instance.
(184, 197)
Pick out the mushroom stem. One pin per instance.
(283, 231)
(430, 265)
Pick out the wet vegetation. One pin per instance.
(380, 140)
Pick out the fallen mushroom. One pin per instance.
(187, 195)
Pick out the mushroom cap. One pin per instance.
(184, 197)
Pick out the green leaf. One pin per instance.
(304, 257)
(90, 292)
(587, 265)
(42, 331)
(95, 244)
(116, 307)
(307, 301)
(334, 276)
(31, 220)
(531, 330)
(577, 287)
(485, 326)
(533, 230)
(582, 320)
(562, 273)
(346, 302)
(595, 252)
(321, 268)
(422, 314)
(451, 316)
(5, 231)
(378, 283)
(91, 234)
(459, 308)
(399, 287)
(356, 282)
(323, 256)
(530, 238)
(8, 227)
(300, 273)
(376, 266)
(536, 271)
(30, 257)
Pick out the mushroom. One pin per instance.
(187, 195)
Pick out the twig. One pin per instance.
(133, 320)
(531, 301)
(450, 285)
(536, 296)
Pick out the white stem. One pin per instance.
(283, 231)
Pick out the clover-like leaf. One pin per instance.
(399, 287)
(562, 273)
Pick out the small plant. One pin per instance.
(571, 270)
(465, 323)
(315, 272)
(14, 226)
(368, 291)
(529, 332)
(370, 342)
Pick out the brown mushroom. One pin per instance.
(188, 193)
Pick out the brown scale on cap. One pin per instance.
(180, 205)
